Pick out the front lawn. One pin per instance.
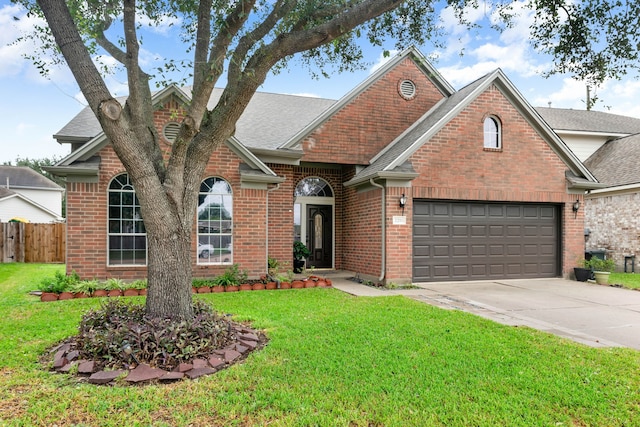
(332, 360)
(627, 280)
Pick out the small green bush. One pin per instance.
(599, 264)
(59, 283)
(232, 276)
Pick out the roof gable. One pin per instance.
(421, 63)
(392, 161)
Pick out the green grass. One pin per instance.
(627, 280)
(332, 360)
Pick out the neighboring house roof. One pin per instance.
(25, 178)
(616, 162)
(589, 121)
(392, 162)
(7, 196)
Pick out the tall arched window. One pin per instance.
(127, 235)
(215, 222)
(492, 133)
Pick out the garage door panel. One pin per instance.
(472, 241)
(460, 250)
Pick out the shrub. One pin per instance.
(164, 343)
(599, 264)
(59, 283)
(114, 283)
(232, 276)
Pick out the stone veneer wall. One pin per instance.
(614, 225)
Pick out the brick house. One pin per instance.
(403, 179)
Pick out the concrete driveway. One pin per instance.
(595, 315)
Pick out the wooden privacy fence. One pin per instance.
(27, 242)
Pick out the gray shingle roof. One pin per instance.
(616, 162)
(268, 121)
(24, 177)
(588, 121)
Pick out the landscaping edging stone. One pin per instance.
(66, 359)
(312, 282)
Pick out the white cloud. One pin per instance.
(163, 26)
(382, 60)
(15, 24)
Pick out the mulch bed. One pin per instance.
(65, 358)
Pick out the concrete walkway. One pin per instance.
(595, 315)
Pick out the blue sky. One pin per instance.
(35, 108)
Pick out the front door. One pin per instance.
(320, 236)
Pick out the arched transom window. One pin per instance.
(215, 222)
(127, 235)
(313, 187)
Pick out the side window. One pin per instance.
(492, 133)
(215, 222)
(126, 233)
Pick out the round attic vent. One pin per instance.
(170, 131)
(407, 89)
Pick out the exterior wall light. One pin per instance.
(576, 208)
(403, 202)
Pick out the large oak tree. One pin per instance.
(241, 41)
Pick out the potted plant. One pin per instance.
(53, 287)
(114, 287)
(83, 288)
(231, 278)
(602, 268)
(202, 286)
(300, 253)
(285, 280)
(140, 285)
(100, 289)
(273, 266)
(584, 272)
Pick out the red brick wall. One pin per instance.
(362, 232)
(87, 222)
(371, 121)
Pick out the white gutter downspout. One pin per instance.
(267, 224)
(383, 267)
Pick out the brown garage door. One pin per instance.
(477, 241)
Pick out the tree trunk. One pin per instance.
(169, 274)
